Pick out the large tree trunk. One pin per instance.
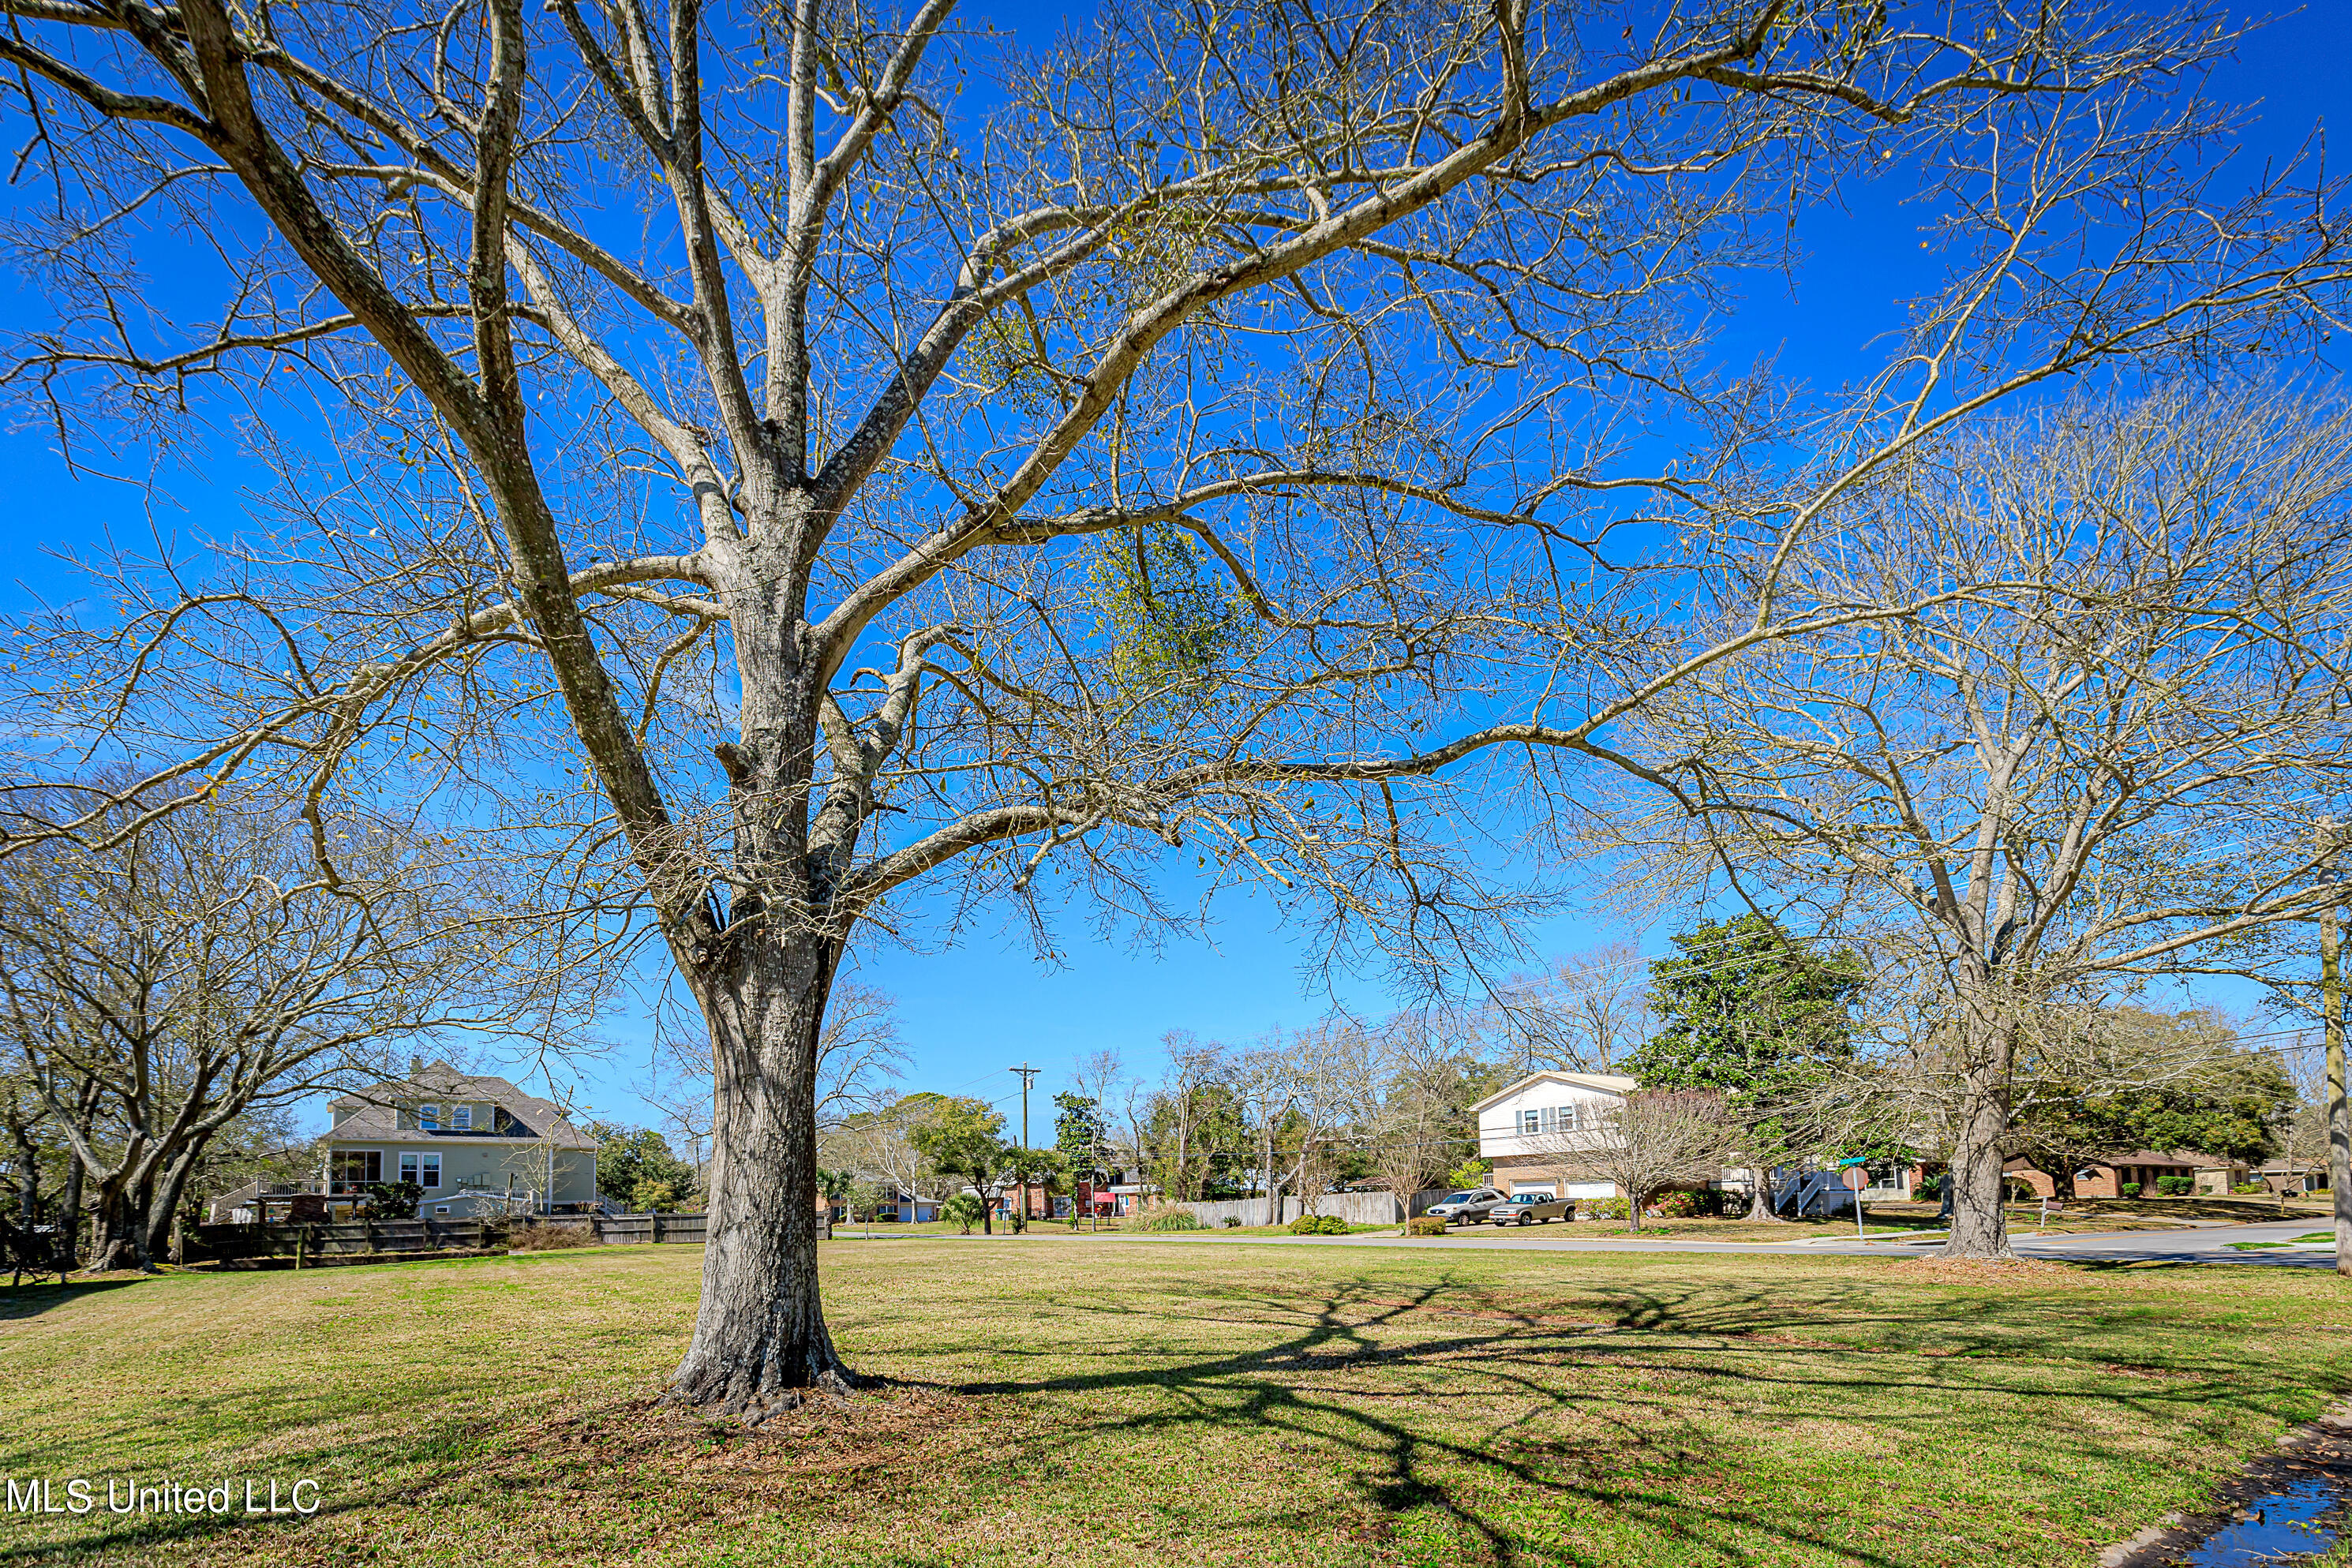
(163, 1203)
(28, 1183)
(115, 1231)
(69, 1211)
(1759, 1200)
(1979, 1227)
(760, 1339)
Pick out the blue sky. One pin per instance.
(969, 1013)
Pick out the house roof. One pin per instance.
(1608, 1083)
(374, 1111)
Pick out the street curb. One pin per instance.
(2324, 1445)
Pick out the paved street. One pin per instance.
(2203, 1244)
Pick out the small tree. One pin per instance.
(1655, 1140)
(1398, 1083)
(964, 1139)
(631, 1161)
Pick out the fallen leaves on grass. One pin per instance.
(1983, 1271)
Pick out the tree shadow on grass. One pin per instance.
(1451, 1406)
(30, 1301)
(1663, 1352)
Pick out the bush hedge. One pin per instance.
(1318, 1225)
(1427, 1225)
(1168, 1218)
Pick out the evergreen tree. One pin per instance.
(1758, 1016)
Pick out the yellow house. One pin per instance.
(476, 1145)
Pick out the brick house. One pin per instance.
(2107, 1178)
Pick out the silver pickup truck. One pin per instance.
(1526, 1207)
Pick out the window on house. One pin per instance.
(1566, 1117)
(348, 1170)
(1529, 1122)
(408, 1168)
(432, 1172)
(462, 1118)
(429, 1117)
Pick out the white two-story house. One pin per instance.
(1532, 1132)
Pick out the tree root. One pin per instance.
(755, 1407)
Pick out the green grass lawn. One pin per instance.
(1074, 1404)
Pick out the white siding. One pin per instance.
(1503, 1126)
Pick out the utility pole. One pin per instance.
(2331, 1006)
(1027, 1073)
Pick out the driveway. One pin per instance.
(2202, 1244)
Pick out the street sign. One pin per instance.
(1856, 1177)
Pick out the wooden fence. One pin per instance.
(244, 1243)
(1355, 1207)
(635, 1230)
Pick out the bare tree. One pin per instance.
(2099, 764)
(1395, 1081)
(995, 499)
(1650, 1142)
(195, 974)
(878, 1145)
(1590, 1011)
(1189, 1119)
(1267, 1080)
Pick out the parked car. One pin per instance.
(1526, 1207)
(1466, 1207)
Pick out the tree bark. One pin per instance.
(163, 1205)
(69, 1211)
(1979, 1225)
(115, 1236)
(759, 1340)
(29, 1181)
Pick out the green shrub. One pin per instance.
(1929, 1189)
(1427, 1225)
(1470, 1173)
(2176, 1185)
(1318, 1225)
(1168, 1219)
(2250, 1188)
(2129, 1189)
(1233, 1222)
(964, 1209)
(1602, 1208)
(393, 1200)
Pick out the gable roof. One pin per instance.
(1608, 1083)
(375, 1110)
